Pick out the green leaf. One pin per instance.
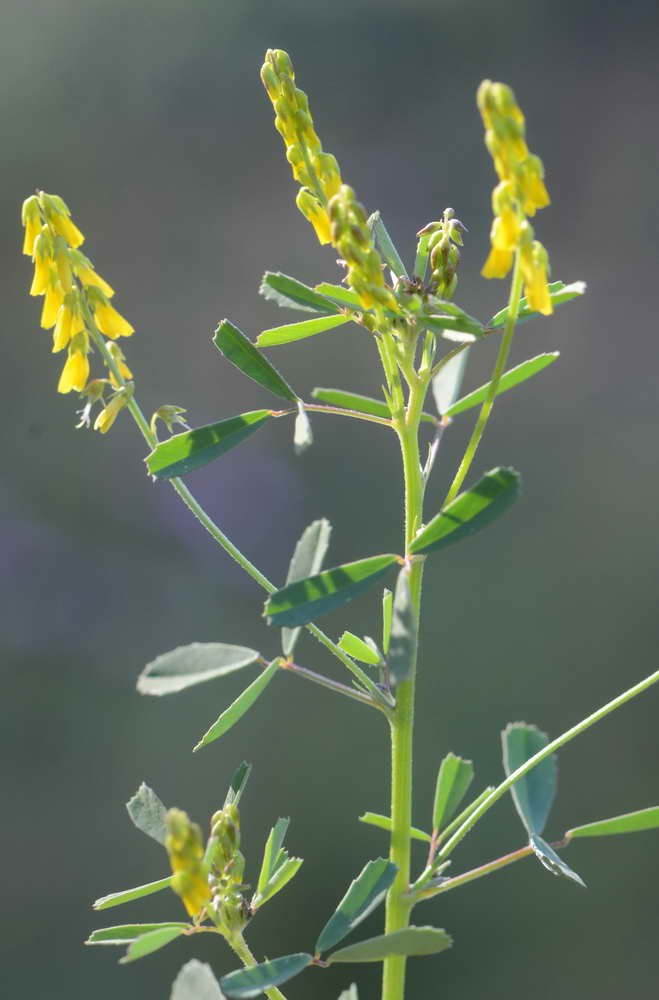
(453, 320)
(148, 813)
(282, 876)
(352, 401)
(358, 649)
(386, 246)
(533, 794)
(363, 895)
(196, 981)
(410, 941)
(550, 860)
(253, 981)
(344, 296)
(124, 933)
(446, 383)
(403, 636)
(385, 823)
(303, 435)
(454, 778)
(128, 895)
(464, 815)
(559, 293)
(239, 707)
(184, 452)
(188, 665)
(237, 784)
(302, 602)
(422, 254)
(299, 331)
(511, 378)
(293, 294)
(470, 511)
(307, 560)
(273, 846)
(633, 822)
(387, 618)
(242, 353)
(146, 944)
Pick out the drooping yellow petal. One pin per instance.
(314, 212)
(42, 264)
(88, 276)
(110, 322)
(62, 331)
(74, 374)
(32, 230)
(498, 263)
(53, 299)
(63, 225)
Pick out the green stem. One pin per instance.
(239, 945)
(537, 758)
(486, 409)
(327, 682)
(215, 532)
(470, 876)
(398, 908)
(340, 411)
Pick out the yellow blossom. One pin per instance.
(186, 854)
(498, 263)
(31, 218)
(69, 322)
(88, 276)
(42, 264)
(109, 413)
(53, 299)
(110, 322)
(119, 359)
(314, 212)
(75, 372)
(534, 265)
(59, 217)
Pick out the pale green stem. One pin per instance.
(402, 719)
(239, 945)
(216, 533)
(537, 758)
(470, 876)
(339, 411)
(327, 682)
(488, 403)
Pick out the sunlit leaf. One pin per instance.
(363, 895)
(533, 794)
(410, 941)
(184, 452)
(252, 982)
(307, 560)
(294, 294)
(146, 944)
(273, 846)
(280, 878)
(239, 707)
(237, 784)
(511, 378)
(633, 822)
(470, 511)
(386, 246)
(454, 778)
(358, 649)
(385, 823)
(344, 296)
(242, 353)
(559, 293)
(550, 860)
(352, 401)
(302, 602)
(299, 331)
(196, 981)
(148, 813)
(194, 664)
(404, 631)
(125, 933)
(128, 895)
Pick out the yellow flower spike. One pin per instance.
(186, 853)
(110, 322)
(109, 413)
(534, 264)
(31, 219)
(75, 372)
(53, 299)
(42, 263)
(59, 217)
(314, 212)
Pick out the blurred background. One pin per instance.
(150, 120)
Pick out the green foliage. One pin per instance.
(125, 933)
(410, 941)
(293, 294)
(453, 779)
(196, 981)
(633, 822)
(253, 981)
(239, 707)
(299, 331)
(359, 649)
(148, 813)
(533, 794)
(307, 560)
(559, 293)
(185, 452)
(152, 941)
(194, 664)
(510, 379)
(128, 895)
(363, 895)
(384, 823)
(403, 634)
(242, 353)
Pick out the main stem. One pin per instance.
(402, 720)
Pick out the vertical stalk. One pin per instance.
(239, 945)
(402, 721)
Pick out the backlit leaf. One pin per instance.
(345, 296)
(447, 382)
(550, 860)
(358, 649)
(237, 784)
(253, 981)
(196, 981)
(363, 895)
(454, 778)
(384, 823)
(242, 353)
(511, 378)
(273, 846)
(410, 941)
(128, 895)
(184, 452)
(470, 511)
(125, 933)
(146, 944)
(239, 707)
(148, 813)
(307, 560)
(299, 331)
(294, 294)
(533, 794)
(352, 401)
(300, 603)
(194, 664)
(633, 822)
(559, 293)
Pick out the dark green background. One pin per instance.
(150, 120)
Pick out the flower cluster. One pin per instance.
(317, 171)
(352, 238)
(445, 238)
(186, 856)
(76, 301)
(227, 868)
(520, 192)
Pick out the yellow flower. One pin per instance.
(120, 361)
(75, 372)
(42, 263)
(31, 219)
(53, 299)
(314, 212)
(109, 413)
(110, 322)
(535, 265)
(65, 227)
(69, 322)
(498, 263)
(186, 854)
(88, 276)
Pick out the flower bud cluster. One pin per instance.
(520, 192)
(445, 238)
(186, 857)
(316, 170)
(73, 293)
(352, 238)
(227, 870)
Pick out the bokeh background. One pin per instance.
(149, 118)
